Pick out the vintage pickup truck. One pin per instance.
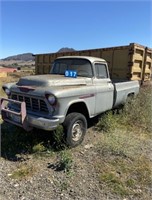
(77, 88)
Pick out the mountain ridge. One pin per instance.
(31, 57)
(22, 57)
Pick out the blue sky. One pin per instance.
(46, 26)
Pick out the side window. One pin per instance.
(101, 70)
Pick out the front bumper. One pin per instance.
(42, 123)
(23, 119)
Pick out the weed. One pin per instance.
(108, 122)
(42, 150)
(22, 172)
(112, 180)
(38, 148)
(59, 138)
(65, 160)
(64, 185)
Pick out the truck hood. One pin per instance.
(51, 80)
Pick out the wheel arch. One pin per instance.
(79, 107)
(131, 94)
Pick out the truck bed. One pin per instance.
(123, 89)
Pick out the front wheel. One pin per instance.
(75, 126)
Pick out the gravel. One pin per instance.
(46, 182)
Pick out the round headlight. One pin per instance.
(7, 91)
(51, 99)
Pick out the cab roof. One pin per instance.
(90, 58)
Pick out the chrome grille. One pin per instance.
(32, 103)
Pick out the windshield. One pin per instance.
(81, 66)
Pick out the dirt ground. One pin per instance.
(46, 180)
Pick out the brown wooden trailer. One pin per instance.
(131, 62)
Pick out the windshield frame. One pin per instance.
(85, 67)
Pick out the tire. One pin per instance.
(75, 126)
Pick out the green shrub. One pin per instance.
(58, 136)
(39, 148)
(65, 160)
(108, 122)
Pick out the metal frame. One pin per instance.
(22, 113)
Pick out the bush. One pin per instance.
(65, 162)
(108, 122)
(58, 136)
(38, 148)
(136, 115)
(138, 112)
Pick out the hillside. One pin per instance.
(30, 56)
(27, 59)
(22, 57)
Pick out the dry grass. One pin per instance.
(125, 177)
(12, 77)
(23, 171)
(124, 165)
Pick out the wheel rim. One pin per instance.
(77, 131)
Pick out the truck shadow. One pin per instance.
(15, 141)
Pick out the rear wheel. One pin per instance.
(75, 126)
